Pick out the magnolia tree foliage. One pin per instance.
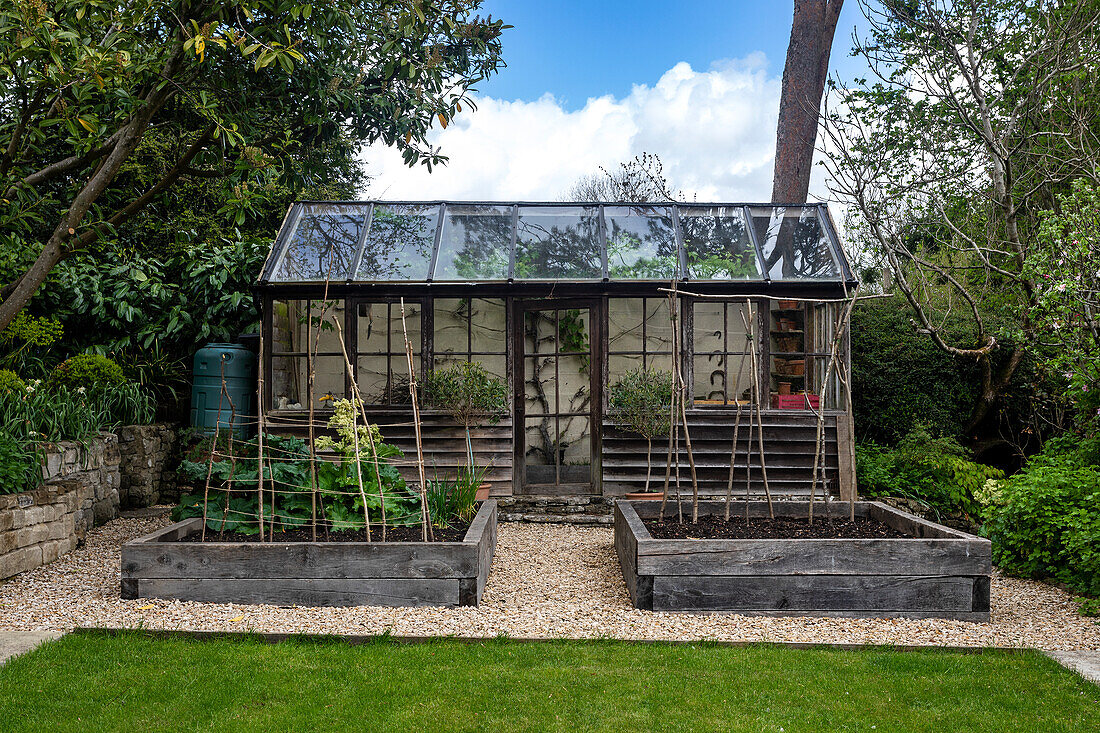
(242, 86)
(972, 116)
(1066, 270)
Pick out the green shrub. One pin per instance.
(900, 378)
(1045, 520)
(90, 371)
(640, 400)
(26, 342)
(937, 472)
(10, 382)
(33, 415)
(470, 393)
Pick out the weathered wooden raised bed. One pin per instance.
(937, 573)
(312, 573)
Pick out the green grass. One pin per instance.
(91, 682)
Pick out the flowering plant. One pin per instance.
(1067, 268)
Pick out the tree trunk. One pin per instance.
(54, 249)
(993, 388)
(803, 85)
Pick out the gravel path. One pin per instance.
(547, 581)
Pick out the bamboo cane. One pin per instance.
(757, 400)
(736, 429)
(819, 438)
(260, 437)
(671, 418)
(356, 407)
(232, 452)
(425, 519)
(358, 395)
(213, 452)
(681, 388)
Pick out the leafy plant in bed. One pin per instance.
(353, 489)
(271, 521)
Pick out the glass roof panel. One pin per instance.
(491, 241)
(717, 243)
(475, 243)
(794, 244)
(641, 243)
(558, 243)
(399, 242)
(324, 244)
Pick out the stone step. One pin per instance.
(544, 518)
(568, 509)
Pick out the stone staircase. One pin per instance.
(586, 510)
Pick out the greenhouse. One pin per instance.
(745, 303)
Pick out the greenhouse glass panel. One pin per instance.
(717, 243)
(641, 243)
(558, 242)
(324, 244)
(475, 243)
(794, 243)
(399, 242)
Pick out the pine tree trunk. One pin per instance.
(804, 77)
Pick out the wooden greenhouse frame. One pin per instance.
(540, 292)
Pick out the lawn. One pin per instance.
(136, 682)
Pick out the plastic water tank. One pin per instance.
(233, 407)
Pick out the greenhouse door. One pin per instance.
(557, 397)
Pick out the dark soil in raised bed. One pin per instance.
(455, 533)
(762, 528)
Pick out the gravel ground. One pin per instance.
(547, 581)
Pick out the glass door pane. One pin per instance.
(557, 401)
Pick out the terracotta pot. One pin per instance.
(788, 344)
(643, 496)
(784, 388)
(788, 305)
(483, 492)
(790, 367)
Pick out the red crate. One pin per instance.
(795, 401)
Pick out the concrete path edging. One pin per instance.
(1084, 663)
(14, 643)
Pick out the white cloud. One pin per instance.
(714, 130)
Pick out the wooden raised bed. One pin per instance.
(312, 573)
(937, 573)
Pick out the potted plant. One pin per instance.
(470, 394)
(640, 401)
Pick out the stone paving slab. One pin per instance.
(1086, 664)
(14, 643)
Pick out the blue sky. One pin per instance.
(576, 50)
(591, 84)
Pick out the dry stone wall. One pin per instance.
(85, 485)
(147, 471)
(80, 490)
(37, 527)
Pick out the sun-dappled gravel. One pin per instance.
(548, 580)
